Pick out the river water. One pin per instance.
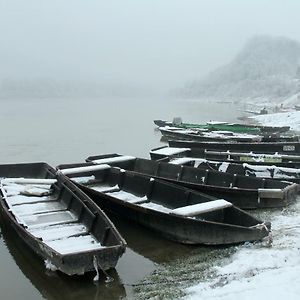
(68, 130)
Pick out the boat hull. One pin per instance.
(74, 262)
(177, 229)
(155, 203)
(280, 147)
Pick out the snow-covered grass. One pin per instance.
(257, 272)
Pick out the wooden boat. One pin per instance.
(261, 171)
(225, 126)
(279, 147)
(221, 136)
(202, 135)
(177, 213)
(58, 221)
(279, 160)
(244, 192)
(53, 286)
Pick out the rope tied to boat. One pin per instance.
(269, 238)
(97, 266)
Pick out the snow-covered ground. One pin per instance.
(259, 272)
(291, 119)
(256, 271)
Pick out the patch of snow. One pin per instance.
(291, 119)
(104, 188)
(75, 244)
(84, 179)
(128, 197)
(223, 167)
(109, 160)
(180, 161)
(196, 209)
(271, 171)
(157, 207)
(55, 232)
(70, 171)
(20, 180)
(169, 151)
(50, 266)
(257, 272)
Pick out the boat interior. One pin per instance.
(188, 174)
(53, 210)
(146, 192)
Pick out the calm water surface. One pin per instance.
(66, 131)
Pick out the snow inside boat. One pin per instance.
(213, 125)
(243, 191)
(277, 159)
(204, 135)
(221, 136)
(279, 147)
(245, 169)
(57, 220)
(175, 212)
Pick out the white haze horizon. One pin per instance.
(151, 45)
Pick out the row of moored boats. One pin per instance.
(192, 192)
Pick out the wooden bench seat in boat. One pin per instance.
(196, 209)
(71, 171)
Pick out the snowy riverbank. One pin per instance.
(259, 272)
(291, 119)
(256, 271)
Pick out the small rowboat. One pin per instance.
(58, 221)
(177, 213)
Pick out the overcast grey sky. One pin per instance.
(161, 43)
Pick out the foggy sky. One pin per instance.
(157, 43)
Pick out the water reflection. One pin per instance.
(55, 285)
(52, 285)
(149, 244)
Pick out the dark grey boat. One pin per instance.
(279, 147)
(245, 169)
(58, 221)
(202, 135)
(244, 192)
(177, 213)
(240, 157)
(215, 136)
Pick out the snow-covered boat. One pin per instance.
(234, 127)
(274, 158)
(221, 136)
(192, 134)
(58, 221)
(244, 192)
(280, 147)
(245, 169)
(177, 213)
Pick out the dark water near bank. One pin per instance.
(68, 130)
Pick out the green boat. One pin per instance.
(223, 126)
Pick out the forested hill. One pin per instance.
(267, 68)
